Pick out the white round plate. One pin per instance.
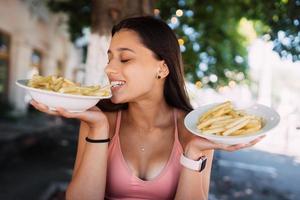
(270, 120)
(70, 102)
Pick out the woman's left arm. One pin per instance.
(193, 184)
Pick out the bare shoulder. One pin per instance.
(184, 135)
(112, 119)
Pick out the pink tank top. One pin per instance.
(123, 184)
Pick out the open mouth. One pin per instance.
(117, 84)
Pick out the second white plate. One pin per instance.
(270, 120)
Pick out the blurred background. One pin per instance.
(247, 51)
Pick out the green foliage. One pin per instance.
(222, 47)
(210, 30)
(283, 18)
(79, 13)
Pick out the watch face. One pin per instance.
(204, 159)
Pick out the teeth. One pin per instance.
(117, 83)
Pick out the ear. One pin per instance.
(163, 69)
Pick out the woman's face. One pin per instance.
(131, 68)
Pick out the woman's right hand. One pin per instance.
(93, 117)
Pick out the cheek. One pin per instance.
(142, 77)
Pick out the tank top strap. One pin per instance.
(115, 138)
(177, 143)
(118, 123)
(175, 122)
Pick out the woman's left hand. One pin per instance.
(197, 145)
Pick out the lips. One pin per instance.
(117, 84)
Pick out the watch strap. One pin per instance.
(196, 165)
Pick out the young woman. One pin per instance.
(141, 149)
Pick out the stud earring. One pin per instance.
(158, 76)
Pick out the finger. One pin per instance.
(43, 108)
(39, 105)
(242, 146)
(52, 112)
(253, 142)
(202, 143)
(94, 108)
(63, 112)
(33, 102)
(230, 148)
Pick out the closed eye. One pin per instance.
(125, 60)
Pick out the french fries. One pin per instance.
(224, 120)
(63, 85)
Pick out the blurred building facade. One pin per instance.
(32, 40)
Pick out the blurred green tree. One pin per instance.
(213, 35)
(99, 15)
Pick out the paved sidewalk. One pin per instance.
(36, 156)
(34, 122)
(22, 132)
(254, 175)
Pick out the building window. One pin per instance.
(36, 63)
(4, 65)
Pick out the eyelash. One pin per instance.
(125, 60)
(122, 61)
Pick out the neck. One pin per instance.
(148, 115)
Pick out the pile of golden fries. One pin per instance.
(224, 120)
(63, 85)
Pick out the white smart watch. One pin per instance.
(196, 165)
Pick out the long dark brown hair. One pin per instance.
(157, 36)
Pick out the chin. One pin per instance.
(117, 100)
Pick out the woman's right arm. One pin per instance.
(83, 133)
(89, 176)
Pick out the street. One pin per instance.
(253, 174)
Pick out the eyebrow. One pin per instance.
(121, 49)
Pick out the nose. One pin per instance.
(110, 69)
